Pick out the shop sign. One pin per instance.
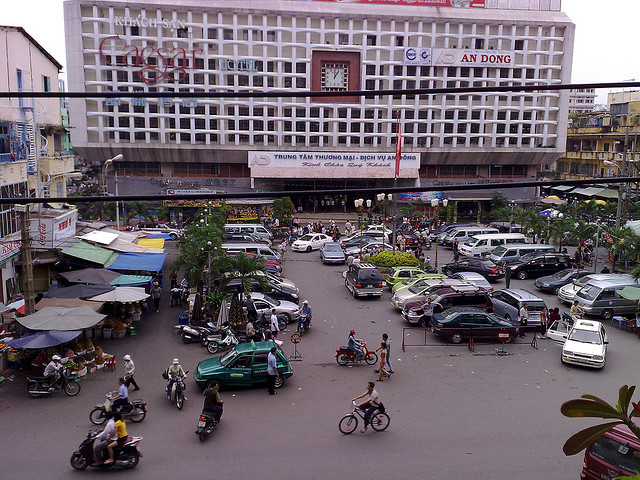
(155, 63)
(426, 197)
(238, 65)
(49, 232)
(9, 250)
(140, 21)
(420, 3)
(417, 56)
(458, 57)
(331, 165)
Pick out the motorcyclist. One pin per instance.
(103, 439)
(305, 313)
(52, 371)
(174, 372)
(576, 312)
(212, 402)
(121, 396)
(355, 345)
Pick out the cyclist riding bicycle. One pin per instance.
(369, 406)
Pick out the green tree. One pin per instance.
(282, 208)
(624, 246)
(559, 231)
(243, 267)
(581, 231)
(139, 210)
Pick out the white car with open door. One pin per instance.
(586, 344)
(558, 331)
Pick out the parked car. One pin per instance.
(508, 302)
(411, 281)
(354, 240)
(332, 252)
(310, 241)
(458, 323)
(419, 291)
(275, 291)
(398, 274)
(264, 304)
(377, 228)
(474, 279)
(567, 293)
(614, 454)
(369, 248)
(539, 264)
(559, 330)
(242, 366)
(445, 298)
(586, 344)
(363, 280)
(486, 268)
(553, 283)
(158, 227)
(245, 238)
(602, 298)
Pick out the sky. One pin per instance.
(605, 49)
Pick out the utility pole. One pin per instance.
(27, 261)
(623, 192)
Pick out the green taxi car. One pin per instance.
(242, 366)
(411, 281)
(399, 274)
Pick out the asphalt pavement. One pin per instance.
(454, 414)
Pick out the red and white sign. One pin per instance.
(419, 3)
(49, 232)
(504, 335)
(9, 250)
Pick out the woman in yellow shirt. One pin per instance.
(121, 431)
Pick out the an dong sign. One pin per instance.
(156, 64)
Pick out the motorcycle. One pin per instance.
(191, 333)
(228, 339)
(135, 411)
(175, 391)
(68, 383)
(126, 456)
(344, 356)
(304, 323)
(206, 425)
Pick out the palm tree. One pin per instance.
(138, 209)
(559, 230)
(625, 245)
(190, 261)
(581, 231)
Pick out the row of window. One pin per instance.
(8, 218)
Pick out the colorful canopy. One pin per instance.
(164, 236)
(90, 253)
(44, 339)
(66, 302)
(131, 280)
(78, 291)
(91, 276)
(61, 318)
(146, 262)
(122, 295)
(151, 242)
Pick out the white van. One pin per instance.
(256, 229)
(478, 245)
(462, 234)
(257, 249)
(512, 252)
(568, 292)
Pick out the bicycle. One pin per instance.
(349, 423)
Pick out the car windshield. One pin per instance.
(332, 246)
(270, 300)
(589, 292)
(499, 250)
(417, 288)
(224, 359)
(472, 242)
(528, 256)
(585, 336)
(487, 264)
(306, 238)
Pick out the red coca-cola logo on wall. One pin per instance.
(156, 64)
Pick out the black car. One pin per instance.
(279, 292)
(553, 283)
(459, 323)
(539, 264)
(486, 268)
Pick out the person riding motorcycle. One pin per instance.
(52, 371)
(212, 402)
(119, 397)
(103, 439)
(175, 371)
(355, 345)
(306, 311)
(576, 312)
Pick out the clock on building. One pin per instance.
(334, 77)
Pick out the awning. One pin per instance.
(587, 192)
(44, 339)
(164, 236)
(151, 242)
(18, 306)
(132, 280)
(103, 238)
(124, 246)
(630, 293)
(562, 188)
(146, 262)
(78, 291)
(608, 193)
(122, 295)
(90, 276)
(61, 318)
(66, 302)
(90, 253)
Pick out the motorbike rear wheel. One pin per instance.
(212, 347)
(71, 388)
(97, 416)
(348, 424)
(31, 388)
(342, 358)
(185, 339)
(202, 435)
(137, 414)
(134, 459)
(78, 461)
(179, 400)
(371, 358)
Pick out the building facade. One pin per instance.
(226, 144)
(582, 100)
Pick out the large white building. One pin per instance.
(306, 46)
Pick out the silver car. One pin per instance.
(331, 252)
(421, 290)
(264, 304)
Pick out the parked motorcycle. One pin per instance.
(135, 411)
(206, 425)
(67, 382)
(175, 391)
(344, 356)
(126, 456)
(228, 339)
(191, 333)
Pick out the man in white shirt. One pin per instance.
(524, 316)
(370, 406)
(103, 439)
(272, 371)
(275, 330)
(52, 371)
(129, 369)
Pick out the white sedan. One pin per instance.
(586, 344)
(310, 241)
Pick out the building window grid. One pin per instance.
(531, 38)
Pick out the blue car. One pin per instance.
(332, 252)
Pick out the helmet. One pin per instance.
(352, 331)
(306, 302)
(56, 358)
(127, 357)
(176, 361)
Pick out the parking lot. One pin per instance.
(454, 414)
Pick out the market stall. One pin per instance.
(125, 308)
(90, 276)
(78, 291)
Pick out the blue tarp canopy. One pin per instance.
(148, 262)
(132, 280)
(45, 339)
(164, 236)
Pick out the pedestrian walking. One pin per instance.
(156, 293)
(523, 320)
(275, 330)
(382, 372)
(129, 370)
(543, 322)
(272, 371)
(385, 339)
(428, 309)
(174, 279)
(507, 276)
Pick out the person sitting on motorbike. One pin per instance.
(355, 345)
(174, 372)
(576, 311)
(121, 396)
(212, 402)
(52, 371)
(306, 311)
(121, 430)
(103, 439)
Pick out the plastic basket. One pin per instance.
(184, 319)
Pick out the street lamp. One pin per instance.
(104, 184)
(384, 200)
(359, 203)
(435, 203)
